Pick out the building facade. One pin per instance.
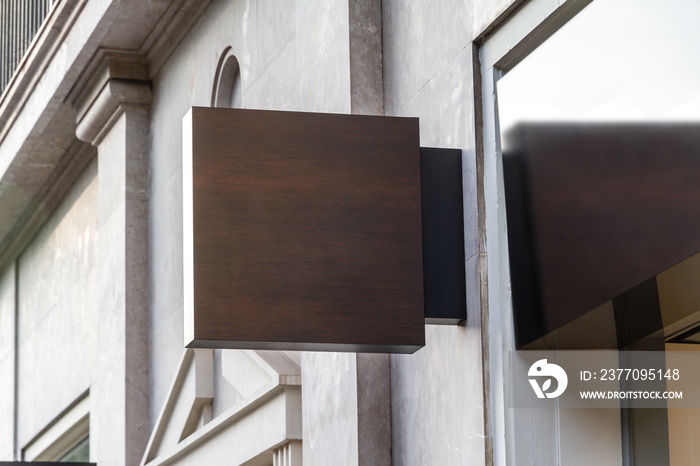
(92, 361)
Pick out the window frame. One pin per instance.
(499, 51)
(64, 433)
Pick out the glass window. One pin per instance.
(77, 454)
(599, 91)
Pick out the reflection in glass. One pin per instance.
(600, 132)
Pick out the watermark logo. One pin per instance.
(542, 370)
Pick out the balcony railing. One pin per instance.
(19, 22)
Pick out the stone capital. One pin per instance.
(117, 84)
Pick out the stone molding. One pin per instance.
(36, 60)
(275, 403)
(119, 82)
(77, 37)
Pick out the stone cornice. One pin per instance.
(36, 60)
(71, 82)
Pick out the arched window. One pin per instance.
(227, 84)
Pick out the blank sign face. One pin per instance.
(302, 231)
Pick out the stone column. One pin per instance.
(367, 97)
(113, 116)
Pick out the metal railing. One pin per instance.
(19, 22)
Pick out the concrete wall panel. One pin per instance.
(7, 409)
(323, 46)
(421, 37)
(437, 416)
(329, 403)
(277, 86)
(437, 393)
(58, 309)
(7, 364)
(7, 313)
(185, 80)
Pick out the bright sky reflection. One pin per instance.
(618, 60)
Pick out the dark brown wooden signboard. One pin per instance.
(302, 231)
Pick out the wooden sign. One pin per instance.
(302, 231)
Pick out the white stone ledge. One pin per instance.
(221, 423)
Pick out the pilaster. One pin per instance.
(113, 115)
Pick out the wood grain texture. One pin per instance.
(306, 231)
